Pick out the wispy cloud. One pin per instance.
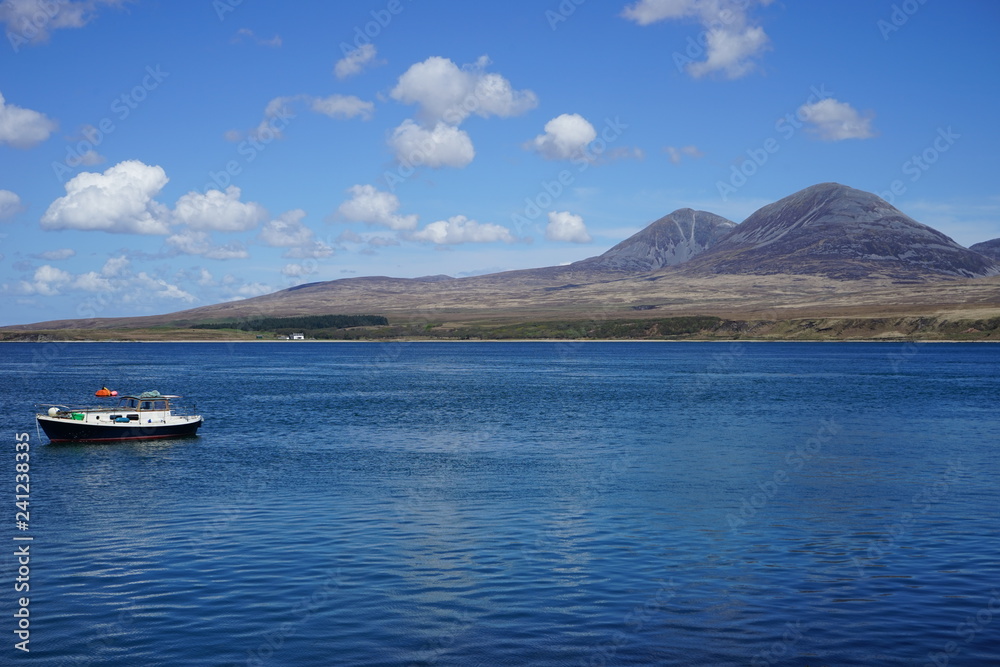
(355, 61)
(249, 35)
(676, 155)
(32, 21)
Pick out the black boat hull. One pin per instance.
(68, 430)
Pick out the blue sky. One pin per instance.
(156, 156)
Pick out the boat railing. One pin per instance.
(176, 409)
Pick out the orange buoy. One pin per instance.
(103, 391)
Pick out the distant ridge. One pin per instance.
(824, 245)
(989, 248)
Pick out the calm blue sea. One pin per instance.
(515, 504)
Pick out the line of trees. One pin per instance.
(302, 323)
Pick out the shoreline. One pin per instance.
(903, 340)
(884, 329)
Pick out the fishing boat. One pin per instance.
(148, 415)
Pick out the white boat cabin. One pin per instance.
(154, 409)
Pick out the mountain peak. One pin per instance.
(836, 230)
(673, 239)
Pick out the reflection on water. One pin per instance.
(543, 504)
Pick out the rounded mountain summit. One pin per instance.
(834, 230)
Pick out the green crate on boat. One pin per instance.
(78, 416)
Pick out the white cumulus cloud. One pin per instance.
(564, 226)
(218, 211)
(23, 128)
(375, 207)
(47, 281)
(120, 200)
(566, 137)
(445, 92)
(355, 61)
(731, 41)
(836, 121)
(459, 229)
(446, 95)
(443, 146)
(10, 204)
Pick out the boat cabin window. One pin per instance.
(145, 404)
